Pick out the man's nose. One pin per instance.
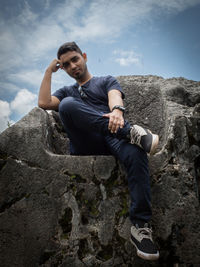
(73, 66)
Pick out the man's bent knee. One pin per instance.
(67, 105)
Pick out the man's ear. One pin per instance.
(85, 57)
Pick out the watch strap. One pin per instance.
(119, 107)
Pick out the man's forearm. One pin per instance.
(45, 100)
(117, 101)
(45, 90)
(116, 119)
(114, 98)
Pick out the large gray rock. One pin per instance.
(62, 210)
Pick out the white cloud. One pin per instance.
(174, 6)
(4, 115)
(127, 58)
(47, 37)
(24, 101)
(60, 78)
(7, 87)
(26, 15)
(32, 77)
(47, 4)
(107, 19)
(5, 109)
(9, 48)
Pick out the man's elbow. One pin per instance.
(42, 105)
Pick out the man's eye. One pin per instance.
(75, 59)
(65, 64)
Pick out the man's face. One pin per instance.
(74, 64)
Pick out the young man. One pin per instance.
(91, 111)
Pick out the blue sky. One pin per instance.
(120, 37)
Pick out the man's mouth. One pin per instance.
(76, 72)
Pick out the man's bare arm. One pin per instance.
(116, 119)
(45, 99)
(114, 98)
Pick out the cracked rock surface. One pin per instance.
(62, 210)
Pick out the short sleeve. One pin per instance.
(61, 93)
(111, 83)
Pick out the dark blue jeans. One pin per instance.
(88, 132)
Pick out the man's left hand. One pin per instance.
(116, 120)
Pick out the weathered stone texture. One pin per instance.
(62, 210)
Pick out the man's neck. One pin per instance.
(85, 79)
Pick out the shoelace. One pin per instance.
(135, 136)
(145, 232)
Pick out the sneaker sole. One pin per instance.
(146, 256)
(154, 145)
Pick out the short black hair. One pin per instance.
(66, 47)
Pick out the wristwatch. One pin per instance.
(119, 107)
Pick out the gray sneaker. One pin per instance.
(141, 238)
(144, 138)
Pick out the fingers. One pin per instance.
(122, 123)
(106, 115)
(58, 64)
(115, 123)
(55, 65)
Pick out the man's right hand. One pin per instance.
(55, 65)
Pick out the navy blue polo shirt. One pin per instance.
(96, 89)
